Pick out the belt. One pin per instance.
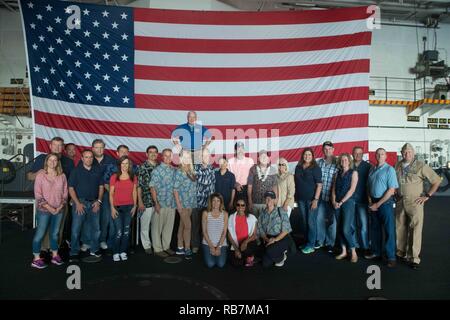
(88, 200)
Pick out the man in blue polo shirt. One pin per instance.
(190, 135)
(86, 191)
(382, 183)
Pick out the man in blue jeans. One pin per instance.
(361, 201)
(382, 185)
(86, 191)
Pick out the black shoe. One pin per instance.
(414, 266)
(371, 256)
(391, 263)
(74, 259)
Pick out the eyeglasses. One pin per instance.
(240, 205)
(282, 165)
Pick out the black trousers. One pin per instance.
(250, 251)
(275, 252)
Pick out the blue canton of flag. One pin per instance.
(80, 53)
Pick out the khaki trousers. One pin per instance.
(409, 225)
(162, 228)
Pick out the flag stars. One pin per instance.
(77, 22)
(59, 61)
(58, 20)
(116, 67)
(37, 69)
(97, 66)
(105, 35)
(35, 46)
(77, 64)
(69, 73)
(41, 38)
(125, 79)
(51, 49)
(115, 47)
(39, 89)
(116, 88)
(55, 93)
(87, 34)
(59, 41)
(106, 56)
(79, 85)
(52, 70)
(68, 10)
(49, 8)
(96, 45)
(124, 58)
(39, 16)
(107, 98)
(67, 32)
(105, 14)
(97, 87)
(124, 16)
(87, 54)
(89, 97)
(78, 43)
(62, 83)
(43, 59)
(30, 5)
(32, 26)
(50, 29)
(96, 23)
(124, 36)
(114, 25)
(71, 95)
(86, 12)
(106, 77)
(125, 99)
(87, 75)
(69, 52)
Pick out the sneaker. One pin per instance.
(180, 251)
(103, 245)
(85, 247)
(371, 256)
(249, 261)
(281, 263)
(318, 246)
(123, 256)
(194, 250)
(39, 264)
(330, 249)
(116, 257)
(94, 254)
(148, 251)
(308, 250)
(414, 266)
(188, 254)
(57, 260)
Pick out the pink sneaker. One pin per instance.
(39, 264)
(57, 260)
(249, 261)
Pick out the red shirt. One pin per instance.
(123, 190)
(241, 228)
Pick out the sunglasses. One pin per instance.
(240, 205)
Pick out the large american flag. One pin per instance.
(129, 76)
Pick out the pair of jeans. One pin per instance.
(346, 225)
(44, 220)
(212, 261)
(107, 230)
(384, 219)
(91, 222)
(362, 226)
(122, 227)
(308, 219)
(326, 224)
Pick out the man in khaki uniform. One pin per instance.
(411, 197)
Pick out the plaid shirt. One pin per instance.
(144, 177)
(328, 172)
(206, 184)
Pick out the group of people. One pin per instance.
(239, 211)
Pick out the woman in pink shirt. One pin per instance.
(123, 199)
(50, 192)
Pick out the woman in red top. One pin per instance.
(123, 198)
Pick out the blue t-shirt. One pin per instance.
(360, 194)
(306, 181)
(191, 137)
(86, 182)
(225, 185)
(107, 160)
(381, 179)
(66, 163)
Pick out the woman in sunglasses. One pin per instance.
(242, 235)
(286, 187)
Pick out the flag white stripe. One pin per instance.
(209, 118)
(235, 32)
(249, 88)
(249, 60)
(217, 146)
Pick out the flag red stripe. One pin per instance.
(249, 18)
(251, 46)
(163, 131)
(251, 74)
(291, 155)
(201, 103)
